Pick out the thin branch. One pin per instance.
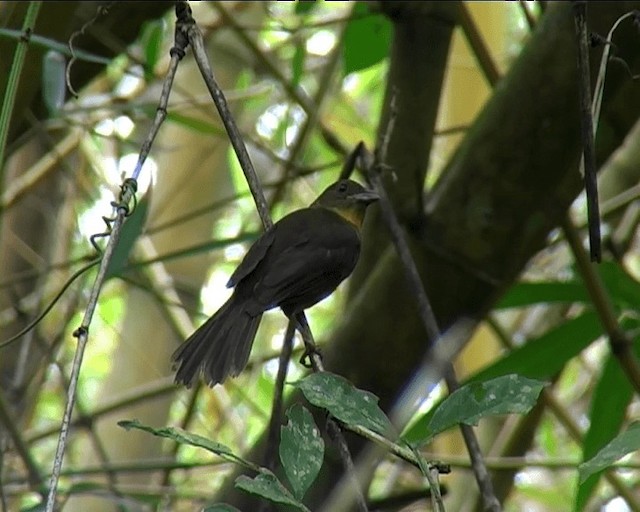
(273, 436)
(478, 45)
(122, 210)
(192, 32)
(528, 16)
(586, 118)
(620, 343)
(373, 168)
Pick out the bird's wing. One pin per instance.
(254, 255)
(306, 272)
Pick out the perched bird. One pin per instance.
(299, 261)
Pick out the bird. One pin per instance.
(294, 264)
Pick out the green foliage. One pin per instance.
(540, 358)
(267, 485)
(301, 449)
(344, 401)
(509, 394)
(131, 231)
(367, 39)
(625, 443)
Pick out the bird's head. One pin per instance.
(348, 199)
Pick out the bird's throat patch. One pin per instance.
(353, 215)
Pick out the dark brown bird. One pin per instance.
(299, 261)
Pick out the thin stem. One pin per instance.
(618, 340)
(586, 118)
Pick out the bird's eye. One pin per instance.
(342, 187)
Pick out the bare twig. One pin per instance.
(192, 32)
(478, 45)
(273, 436)
(373, 168)
(586, 120)
(619, 342)
(122, 210)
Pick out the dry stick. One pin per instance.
(586, 118)
(122, 210)
(195, 39)
(276, 409)
(235, 137)
(425, 310)
(478, 46)
(619, 342)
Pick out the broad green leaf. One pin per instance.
(624, 289)
(131, 230)
(301, 449)
(540, 358)
(267, 486)
(367, 39)
(344, 401)
(526, 294)
(625, 443)
(510, 394)
(181, 436)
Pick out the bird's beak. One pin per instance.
(366, 197)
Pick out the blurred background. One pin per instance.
(482, 170)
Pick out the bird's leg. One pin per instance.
(311, 357)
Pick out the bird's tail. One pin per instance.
(219, 348)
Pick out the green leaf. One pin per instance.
(131, 230)
(38, 507)
(625, 443)
(540, 358)
(267, 486)
(344, 401)
(182, 437)
(509, 394)
(301, 449)
(624, 289)
(152, 41)
(304, 7)
(526, 294)
(367, 39)
(543, 357)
